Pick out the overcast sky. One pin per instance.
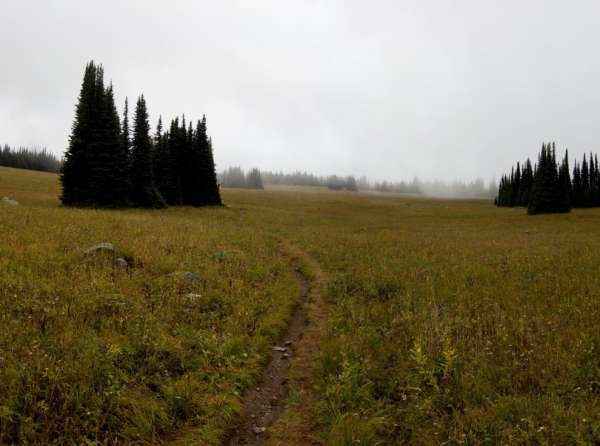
(388, 89)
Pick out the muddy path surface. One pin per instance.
(264, 403)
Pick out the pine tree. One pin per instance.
(515, 187)
(577, 187)
(546, 191)
(526, 184)
(209, 189)
(125, 136)
(143, 189)
(78, 160)
(111, 169)
(564, 179)
(585, 183)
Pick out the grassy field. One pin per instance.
(449, 322)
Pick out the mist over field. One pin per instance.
(437, 90)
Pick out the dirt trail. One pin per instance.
(298, 424)
(263, 404)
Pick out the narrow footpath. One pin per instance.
(268, 417)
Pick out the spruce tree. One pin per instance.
(564, 180)
(516, 187)
(577, 196)
(585, 183)
(526, 184)
(546, 191)
(78, 163)
(208, 188)
(111, 171)
(143, 189)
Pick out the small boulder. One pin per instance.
(100, 248)
(187, 277)
(121, 263)
(10, 201)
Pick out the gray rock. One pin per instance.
(100, 248)
(9, 201)
(280, 349)
(259, 430)
(187, 277)
(121, 263)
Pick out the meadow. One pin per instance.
(448, 322)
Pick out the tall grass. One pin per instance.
(458, 323)
(90, 354)
(451, 322)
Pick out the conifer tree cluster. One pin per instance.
(106, 165)
(548, 187)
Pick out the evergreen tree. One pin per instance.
(585, 183)
(546, 191)
(516, 187)
(254, 179)
(564, 180)
(111, 170)
(208, 189)
(78, 162)
(125, 136)
(526, 184)
(143, 189)
(577, 186)
(165, 170)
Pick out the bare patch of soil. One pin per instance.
(264, 403)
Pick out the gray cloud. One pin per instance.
(389, 89)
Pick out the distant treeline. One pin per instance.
(548, 187)
(236, 177)
(105, 167)
(299, 178)
(29, 158)
(442, 189)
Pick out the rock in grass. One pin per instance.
(10, 201)
(100, 248)
(187, 277)
(122, 263)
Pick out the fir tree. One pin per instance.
(516, 187)
(577, 186)
(208, 189)
(111, 168)
(143, 189)
(125, 136)
(564, 180)
(78, 162)
(546, 191)
(585, 183)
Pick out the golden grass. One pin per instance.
(450, 322)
